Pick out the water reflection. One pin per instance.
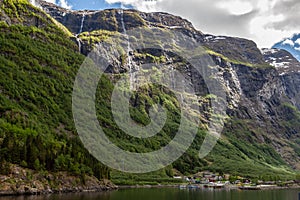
(170, 193)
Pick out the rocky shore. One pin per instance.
(21, 181)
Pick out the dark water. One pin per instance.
(170, 194)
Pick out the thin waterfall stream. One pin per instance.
(130, 64)
(80, 31)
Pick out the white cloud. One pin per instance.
(290, 10)
(209, 17)
(142, 5)
(297, 48)
(262, 34)
(62, 3)
(297, 41)
(288, 42)
(236, 7)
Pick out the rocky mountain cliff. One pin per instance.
(261, 134)
(263, 97)
(289, 71)
(110, 20)
(282, 60)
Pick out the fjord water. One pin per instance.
(170, 194)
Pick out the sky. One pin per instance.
(264, 21)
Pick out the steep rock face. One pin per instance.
(284, 61)
(289, 71)
(238, 49)
(111, 19)
(263, 100)
(266, 100)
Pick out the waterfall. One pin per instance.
(173, 78)
(82, 22)
(79, 44)
(176, 84)
(131, 73)
(80, 31)
(181, 98)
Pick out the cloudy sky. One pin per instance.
(264, 21)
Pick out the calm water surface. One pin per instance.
(170, 194)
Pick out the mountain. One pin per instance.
(258, 112)
(41, 52)
(282, 60)
(291, 44)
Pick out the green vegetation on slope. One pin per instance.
(37, 69)
(238, 152)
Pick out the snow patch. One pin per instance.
(220, 38)
(209, 37)
(212, 38)
(272, 58)
(284, 65)
(174, 27)
(269, 51)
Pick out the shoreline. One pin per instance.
(49, 192)
(146, 186)
(21, 181)
(199, 186)
(101, 188)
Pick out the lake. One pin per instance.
(170, 193)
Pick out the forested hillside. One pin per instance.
(38, 66)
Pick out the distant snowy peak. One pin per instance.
(291, 44)
(282, 60)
